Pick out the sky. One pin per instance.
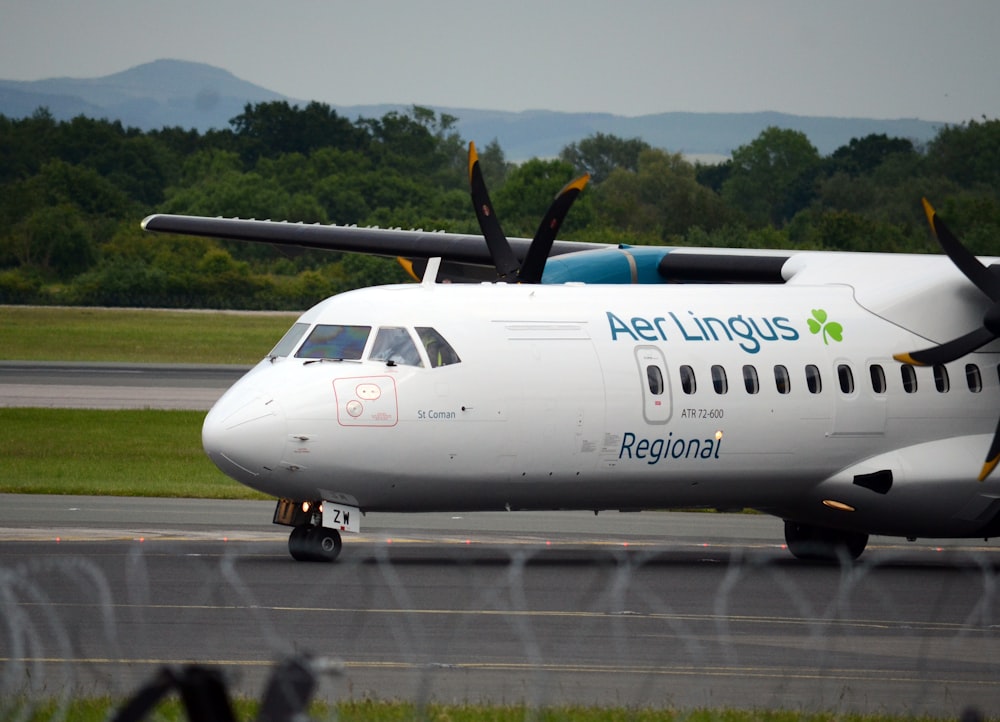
(934, 60)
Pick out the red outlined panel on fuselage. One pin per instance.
(366, 401)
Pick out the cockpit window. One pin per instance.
(335, 342)
(439, 351)
(395, 345)
(289, 340)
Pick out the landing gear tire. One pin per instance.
(324, 543)
(314, 543)
(817, 543)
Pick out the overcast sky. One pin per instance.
(928, 59)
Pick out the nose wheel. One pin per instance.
(308, 543)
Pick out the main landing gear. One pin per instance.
(309, 541)
(818, 543)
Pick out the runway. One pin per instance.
(653, 609)
(50, 384)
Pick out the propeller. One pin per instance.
(986, 281)
(509, 270)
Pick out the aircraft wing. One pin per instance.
(466, 257)
(454, 247)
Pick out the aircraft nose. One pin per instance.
(245, 441)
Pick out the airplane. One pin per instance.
(543, 374)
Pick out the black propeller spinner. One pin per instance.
(508, 268)
(986, 281)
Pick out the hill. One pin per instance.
(160, 94)
(194, 95)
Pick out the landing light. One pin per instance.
(718, 435)
(838, 505)
(306, 506)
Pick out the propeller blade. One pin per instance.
(950, 351)
(500, 250)
(992, 457)
(541, 244)
(967, 263)
(987, 281)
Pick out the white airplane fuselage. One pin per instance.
(627, 397)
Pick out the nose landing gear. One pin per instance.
(308, 543)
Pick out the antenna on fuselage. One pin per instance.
(431, 271)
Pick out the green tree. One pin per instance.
(54, 239)
(862, 156)
(974, 216)
(713, 175)
(838, 230)
(244, 195)
(273, 128)
(601, 153)
(772, 178)
(662, 197)
(25, 144)
(418, 144)
(522, 201)
(59, 182)
(968, 154)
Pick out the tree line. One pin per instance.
(72, 194)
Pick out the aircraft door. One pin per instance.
(656, 403)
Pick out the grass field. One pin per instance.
(100, 709)
(32, 333)
(121, 453)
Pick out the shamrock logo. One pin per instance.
(830, 330)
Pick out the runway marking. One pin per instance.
(380, 541)
(383, 542)
(825, 674)
(896, 624)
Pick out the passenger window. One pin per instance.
(395, 346)
(341, 343)
(750, 380)
(654, 377)
(439, 351)
(941, 381)
(973, 378)
(719, 380)
(813, 380)
(688, 384)
(781, 379)
(909, 376)
(878, 378)
(846, 377)
(289, 340)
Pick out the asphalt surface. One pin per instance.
(661, 609)
(114, 385)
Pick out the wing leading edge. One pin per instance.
(454, 247)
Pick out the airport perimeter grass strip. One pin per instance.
(100, 709)
(37, 333)
(121, 453)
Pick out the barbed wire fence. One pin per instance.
(526, 622)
